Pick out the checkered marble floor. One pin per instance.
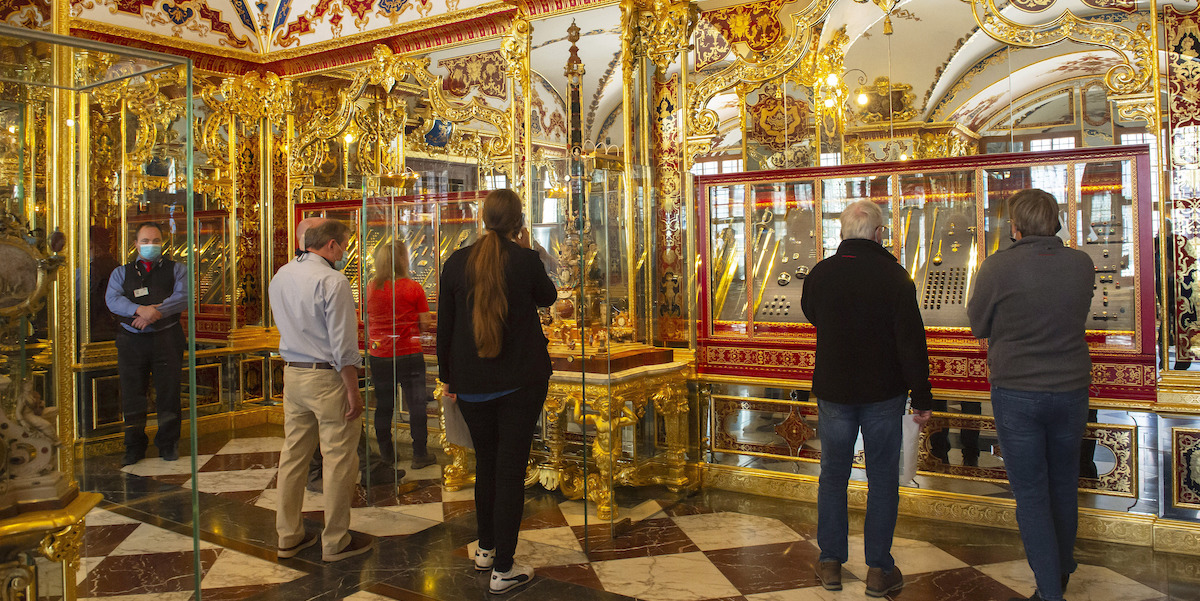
(711, 546)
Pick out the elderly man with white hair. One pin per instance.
(870, 356)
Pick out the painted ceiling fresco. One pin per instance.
(263, 27)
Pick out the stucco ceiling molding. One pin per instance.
(1131, 76)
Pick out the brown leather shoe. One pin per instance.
(880, 584)
(830, 573)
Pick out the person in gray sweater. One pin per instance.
(1031, 301)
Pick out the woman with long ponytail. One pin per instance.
(492, 357)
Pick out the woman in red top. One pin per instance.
(397, 313)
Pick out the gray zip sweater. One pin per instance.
(1031, 302)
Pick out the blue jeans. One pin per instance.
(838, 425)
(1040, 433)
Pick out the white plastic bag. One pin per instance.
(456, 427)
(909, 444)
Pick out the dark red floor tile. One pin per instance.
(241, 461)
(176, 479)
(551, 517)
(768, 568)
(99, 541)
(145, 574)
(453, 509)
(249, 497)
(963, 584)
(580, 573)
(235, 593)
(647, 538)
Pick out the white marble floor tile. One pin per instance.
(680, 577)
(549, 547)
(426, 511)
(152, 539)
(1088, 583)
(466, 494)
(232, 481)
(180, 596)
(726, 530)
(269, 499)
(153, 466)
(851, 591)
(238, 569)
(103, 517)
(387, 521)
(573, 512)
(269, 444)
(913, 557)
(365, 596)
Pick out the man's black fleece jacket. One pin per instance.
(870, 336)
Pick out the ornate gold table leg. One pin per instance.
(671, 403)
(63, 547)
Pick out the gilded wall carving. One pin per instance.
(703, 121)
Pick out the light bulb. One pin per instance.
(903, 157)
(862, 98)
(70, 123)
(832, 79)
(349, 138)
(828, 103)
(12, 129)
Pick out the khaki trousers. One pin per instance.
(314, 407)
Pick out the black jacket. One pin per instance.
(870, 337)
(523, 358)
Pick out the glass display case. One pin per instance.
(943, 218)
(62, 213)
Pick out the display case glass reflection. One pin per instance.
(839, 193)
(1105, 230)
(787, 243)
(937, 234)
(1001, 184)
(727, 238)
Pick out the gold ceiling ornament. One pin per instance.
(386, 70)
(703, 122)
(1137, 107)
(886, 6)
(1131, 76)
(665, 27)
(892, 103)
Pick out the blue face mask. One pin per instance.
(150, 252)
(340, 264)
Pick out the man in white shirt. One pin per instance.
(318, 340)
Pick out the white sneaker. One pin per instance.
(502, 582)
(484, 558)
